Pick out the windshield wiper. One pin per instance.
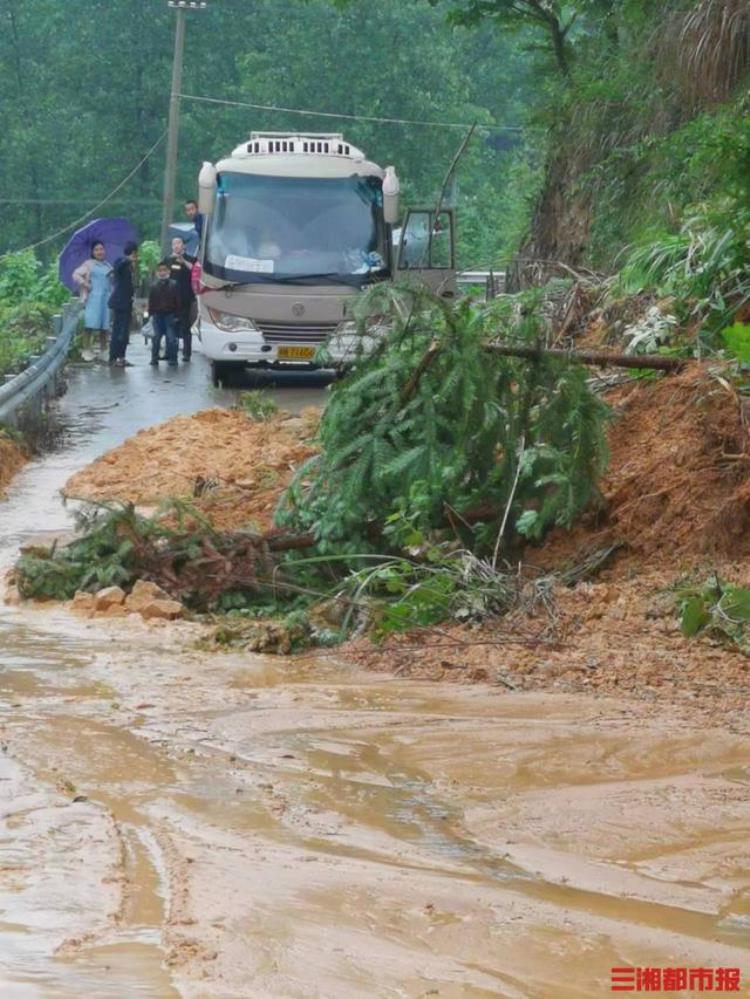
(234, 287)
(329, 278)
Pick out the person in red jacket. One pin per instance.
(163, 309)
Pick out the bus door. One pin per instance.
(426, 250)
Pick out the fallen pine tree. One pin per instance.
(430, 422)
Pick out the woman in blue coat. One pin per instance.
(94, 277)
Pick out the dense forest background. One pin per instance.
(601, 123)
(84, 95)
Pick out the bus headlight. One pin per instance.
(232, 324)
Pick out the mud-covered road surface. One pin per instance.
(178, 823)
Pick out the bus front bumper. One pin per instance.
(249, 348)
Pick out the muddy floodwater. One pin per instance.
(178, 824)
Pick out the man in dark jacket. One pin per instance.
(180, 267)
(163, 309)
(195, 216)
(121, 303)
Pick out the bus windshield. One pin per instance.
(296, 229)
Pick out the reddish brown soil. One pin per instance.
(677, 489)
(620, 636)
(233, 469)
(12, 457)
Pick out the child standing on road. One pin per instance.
(163, 308)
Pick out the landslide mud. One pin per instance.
(12, 458)
(176, 823)
(230, 467)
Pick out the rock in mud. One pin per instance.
(166, 610)
(83, 602)
(110, 596)
(143, 594)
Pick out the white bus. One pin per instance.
(295, 226)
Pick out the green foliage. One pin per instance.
(635, 135)
(29, 297)
(430, 422)
(717, 610)
(259, 404)
(704, 265)
(402, 593)
(177, 548)
(149, 255)
(555, 18)
(103, 556)
(737, 340)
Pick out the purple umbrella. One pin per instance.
(114, 233)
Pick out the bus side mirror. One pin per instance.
(207, 188)
(391, 191)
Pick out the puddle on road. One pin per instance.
(275, 807)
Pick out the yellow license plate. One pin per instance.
(295, 353)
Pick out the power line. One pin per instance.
(90, 212)
(349, 117)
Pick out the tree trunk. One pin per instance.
(598, 358)
(558, 46)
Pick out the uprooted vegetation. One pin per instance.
(431, 431)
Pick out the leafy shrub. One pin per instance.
(29, 297)
(259, 405)
(149, 255)
(651, 332)
(737, 341)
(430, 423)
(716, 609)
(444, 583)
(704, 265)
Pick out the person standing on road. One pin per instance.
(195, 216)
(121, 303)
(164, 308)
(93, 276)
(180, 267)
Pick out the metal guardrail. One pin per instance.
(494, 283)
(31, 387)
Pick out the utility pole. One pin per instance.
(170, 169)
